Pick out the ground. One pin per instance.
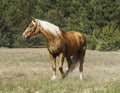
(29, 71)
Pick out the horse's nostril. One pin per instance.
(23, 35)
(27, 37)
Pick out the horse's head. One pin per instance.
(32, 29)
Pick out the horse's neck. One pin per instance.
(53, 39)
(49, 37)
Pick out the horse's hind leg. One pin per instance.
(81, 67)
(81, 60)
(61, 64)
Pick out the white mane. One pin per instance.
(48, 27)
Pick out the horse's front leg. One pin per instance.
(61, 65)
(53, 62)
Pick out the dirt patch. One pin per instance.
(19, 63)
(102, 65)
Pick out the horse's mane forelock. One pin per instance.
(49, 27)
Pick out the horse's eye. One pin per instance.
(31, 25)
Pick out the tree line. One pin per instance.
(99, 20)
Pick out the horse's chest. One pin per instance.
(55, 48)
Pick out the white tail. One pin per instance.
(78, 57)
(75, 60)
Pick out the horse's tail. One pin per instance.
(76, 58)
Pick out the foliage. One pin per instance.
(98, 19)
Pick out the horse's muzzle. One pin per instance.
(24, 36)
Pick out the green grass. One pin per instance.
(29, 71)
(71, 85)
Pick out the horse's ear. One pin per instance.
(33, 18)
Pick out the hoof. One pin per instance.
(54, 78)
(81, 76)
(65, 74)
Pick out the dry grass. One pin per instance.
(29, 71)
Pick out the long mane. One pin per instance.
(49, 27)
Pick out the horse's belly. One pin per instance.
(72, 50)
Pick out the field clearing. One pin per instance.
(28, 70)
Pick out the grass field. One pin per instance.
(29, 71)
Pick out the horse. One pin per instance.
(70, 45)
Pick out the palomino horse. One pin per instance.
(70, 45)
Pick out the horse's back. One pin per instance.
(76, 37)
